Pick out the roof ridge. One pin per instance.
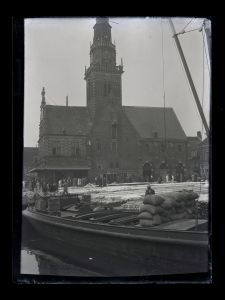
(147, 106)
(65, 106)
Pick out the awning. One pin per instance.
(78, 168)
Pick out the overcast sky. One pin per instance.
(57, 50)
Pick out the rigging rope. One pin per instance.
(183, 30)
(186, 79)
(203, 73)
(196, 29)
(205, 52)
(163, 80)
(203, 94)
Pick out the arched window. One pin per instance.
(114, 130)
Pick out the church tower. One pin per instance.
(103, 76)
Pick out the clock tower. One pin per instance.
(103, 76)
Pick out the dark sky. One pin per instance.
(57, 50)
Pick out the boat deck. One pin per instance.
(130, 218)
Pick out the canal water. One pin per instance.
(37, 258)
(42, 256)
(39, 262)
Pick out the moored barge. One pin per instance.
(124, 247)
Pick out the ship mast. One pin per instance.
(190, 79)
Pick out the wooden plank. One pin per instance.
(184, 224)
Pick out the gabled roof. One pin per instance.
(193, 139)
(73, 120)
(147, 120)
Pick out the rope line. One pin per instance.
(186, 79)
(203, 73)
(189, 31)
(183, 30)
(205, 52)
(163, 80)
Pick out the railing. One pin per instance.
(104, 68)
(101, 43)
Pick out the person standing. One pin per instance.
(65, 188)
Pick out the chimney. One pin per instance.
(66, 100)
(199, 135)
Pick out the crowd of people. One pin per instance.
(103, 179)
(46, 187)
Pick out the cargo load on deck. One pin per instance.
(162, 208)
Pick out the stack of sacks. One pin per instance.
(203, 209)
(158, 209)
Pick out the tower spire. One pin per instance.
(43, 96)
(102, 20)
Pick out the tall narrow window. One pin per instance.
(114, 147)
(105, 88)
(58, 150)
(77, 150)
(99, 147)
(53, 151)
(155, 134)
(109, 88)
(73, 152)
(179, 148)
(147, 148)
(114, 131)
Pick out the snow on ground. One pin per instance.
(134, 193)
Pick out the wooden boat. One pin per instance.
(124, 247)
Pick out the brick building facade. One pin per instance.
(204, 159)
(106, 137)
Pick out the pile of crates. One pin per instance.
(53, 204)
(41, 204)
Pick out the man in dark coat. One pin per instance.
(149, 191)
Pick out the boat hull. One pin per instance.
(124, 251)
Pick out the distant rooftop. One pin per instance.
(148, 120)
(72, 120)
